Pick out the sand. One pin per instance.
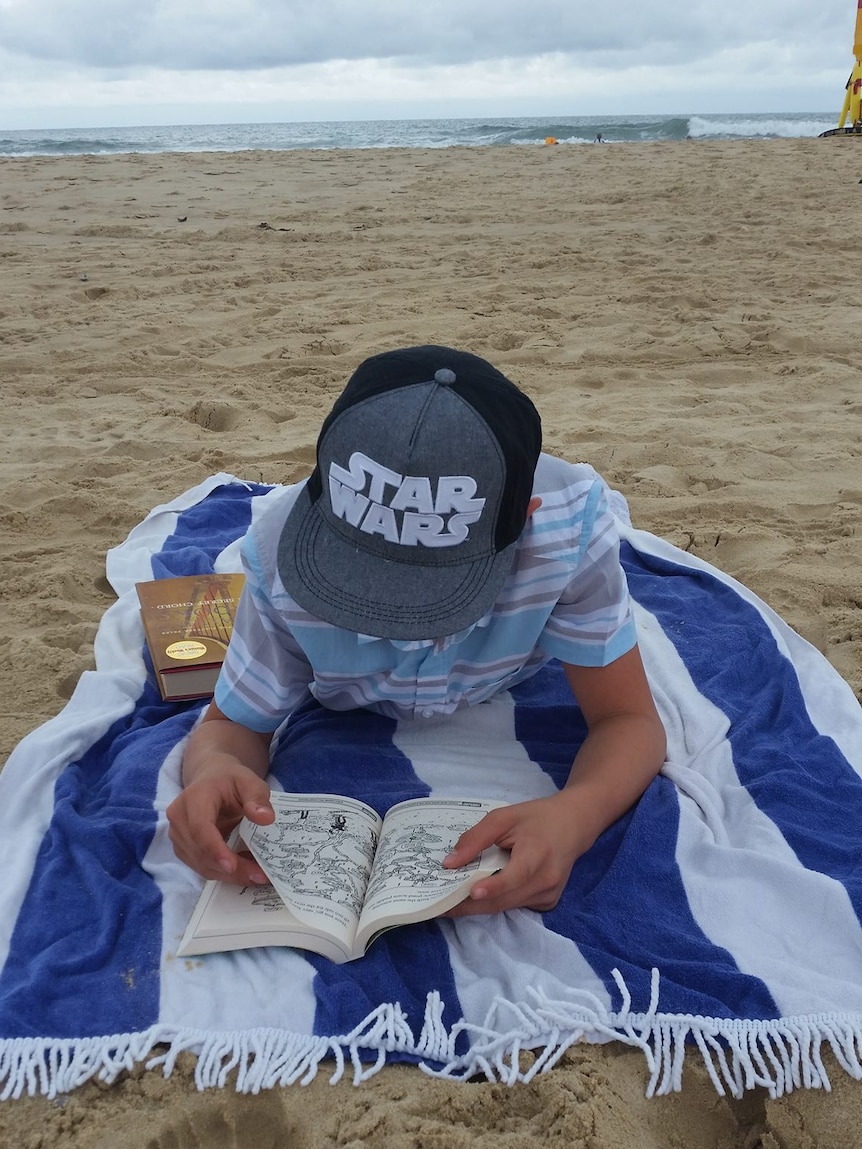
(685, 315)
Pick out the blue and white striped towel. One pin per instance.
(721, 915)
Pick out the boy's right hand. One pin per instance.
(220, 794)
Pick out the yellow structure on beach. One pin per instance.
(852, 109)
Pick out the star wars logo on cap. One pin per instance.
(405, 509)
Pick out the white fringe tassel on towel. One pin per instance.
(779, 1055)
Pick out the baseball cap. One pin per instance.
(407, 527)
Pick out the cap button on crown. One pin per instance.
(444, 376)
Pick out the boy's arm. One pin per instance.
(223, 772)
(622, 753)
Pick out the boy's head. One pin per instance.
(407, 526)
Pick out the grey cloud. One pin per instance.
(251, 34)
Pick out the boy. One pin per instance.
(433, 558)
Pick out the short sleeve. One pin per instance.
(592, 623)
(265, 675)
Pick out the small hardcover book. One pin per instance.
(340, 875)
(187, 623)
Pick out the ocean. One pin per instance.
(450, 133)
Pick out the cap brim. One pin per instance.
(335, 581)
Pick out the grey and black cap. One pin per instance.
(407, 526)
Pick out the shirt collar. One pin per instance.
(440, 644)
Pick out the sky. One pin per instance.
(101, 63)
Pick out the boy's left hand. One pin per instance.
(545, 840)
(622, 753)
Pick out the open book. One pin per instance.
(341, 875)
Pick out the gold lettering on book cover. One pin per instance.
(209, 614)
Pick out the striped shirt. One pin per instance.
(566, 598)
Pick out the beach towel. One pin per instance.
(719, 918)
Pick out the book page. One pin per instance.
(318, 855)
(231, 917)
(408, 876)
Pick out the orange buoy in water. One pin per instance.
(551, 140)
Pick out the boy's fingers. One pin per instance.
(522, 883)
(250, 793)
(247, 873)
(210, 856)
(472, 842)
(199, 818)
(261, 813)
(200, 844)
(512, 885)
